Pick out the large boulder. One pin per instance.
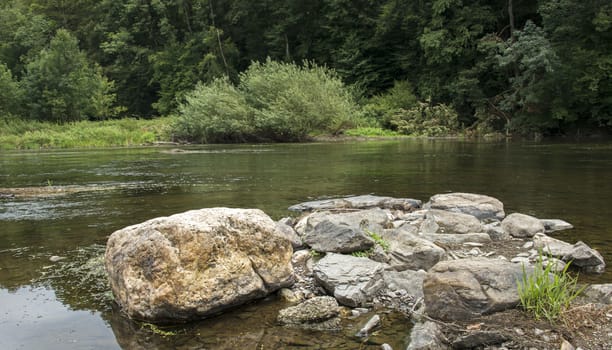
(190, 265)
(373, 220)
(318, 313)
(466, 288)
(522, 226)
(359, 202)
(411, 252)
(478, 205)
(453, 222)
(353, 281)
(327, 236)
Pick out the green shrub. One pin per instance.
(381, 108)
(425, 119)
(545, 293)
(274, 101)
(216, 112)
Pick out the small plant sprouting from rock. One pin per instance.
(546, 293)
(379, 240)
(362, 253)
(314, 253)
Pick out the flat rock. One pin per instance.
(328, 236)
(554, 225)
(466, 288)
(478, 205)
(446, 238)
(522, 226)
(373, 220)
(353, 281)
(197, 263)
(359, 202)
(318, 313)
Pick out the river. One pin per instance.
(85, 195)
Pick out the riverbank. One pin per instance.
(21, 134)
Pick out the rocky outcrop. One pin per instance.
(190, 265)
(318, 313)
(521, 225)
(478, 205)
(465, 288)
(353, 281)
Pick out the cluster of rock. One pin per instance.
(363, 251)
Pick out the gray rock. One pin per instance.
(481, 206)
(466, 288)
(374, 220)
(289, 233)
(372, 323)
(478, 339)
(351, 280)
(581, 255)
(411, 252)
(359, 202)
(553, 225)
(446, 238)
(521, 225)
(327, 236)
(318, 313)
(410, 281)
(597, 294)
(194, 264)
(427, 336)
(386, 346)
(452, 222)
(496, 232)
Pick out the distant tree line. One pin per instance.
(511, 65)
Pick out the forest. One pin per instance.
(415, 67)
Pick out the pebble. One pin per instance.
(528, 245)
(386, 346)
(56, 258)
(519, 331)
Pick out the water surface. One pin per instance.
(58, 306)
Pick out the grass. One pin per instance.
(546, 294)
(24, 134)
(372, 132)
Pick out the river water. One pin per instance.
(85, 195)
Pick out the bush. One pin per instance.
(381, 108)
(545, 293)
(426, 120)
(10, 93)
(274, 101)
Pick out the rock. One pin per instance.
(410, 252)
(386, 346)
(478, 339)
(496, 232)
(372, 323)
(289, 296)
(289, 233)
(318, 313)
(597, 294)
(410, 281)
(427, 336)
(351, 280)
(446, 238)
(521, 225)
(482, 207)
(553, 225)
(327, 236)
(374, 220)
(452, 222)
(580, 254)
(466, 288)
(359, 202)
(56, 258)
(565, 345)
(197, 263)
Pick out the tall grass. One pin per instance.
(25, 134)
(546, 293)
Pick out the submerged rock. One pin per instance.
(318, 313)
(465, 288)
(478, 205)
(351, 280)
(190, 265)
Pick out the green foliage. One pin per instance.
(62, 86)
(545, 293)
(426, 120)
(361, 253)
(379, 240)
(381, 108)
(274, 101)
(371, 132)
(10, 93)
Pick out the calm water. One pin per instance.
(59, 306)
